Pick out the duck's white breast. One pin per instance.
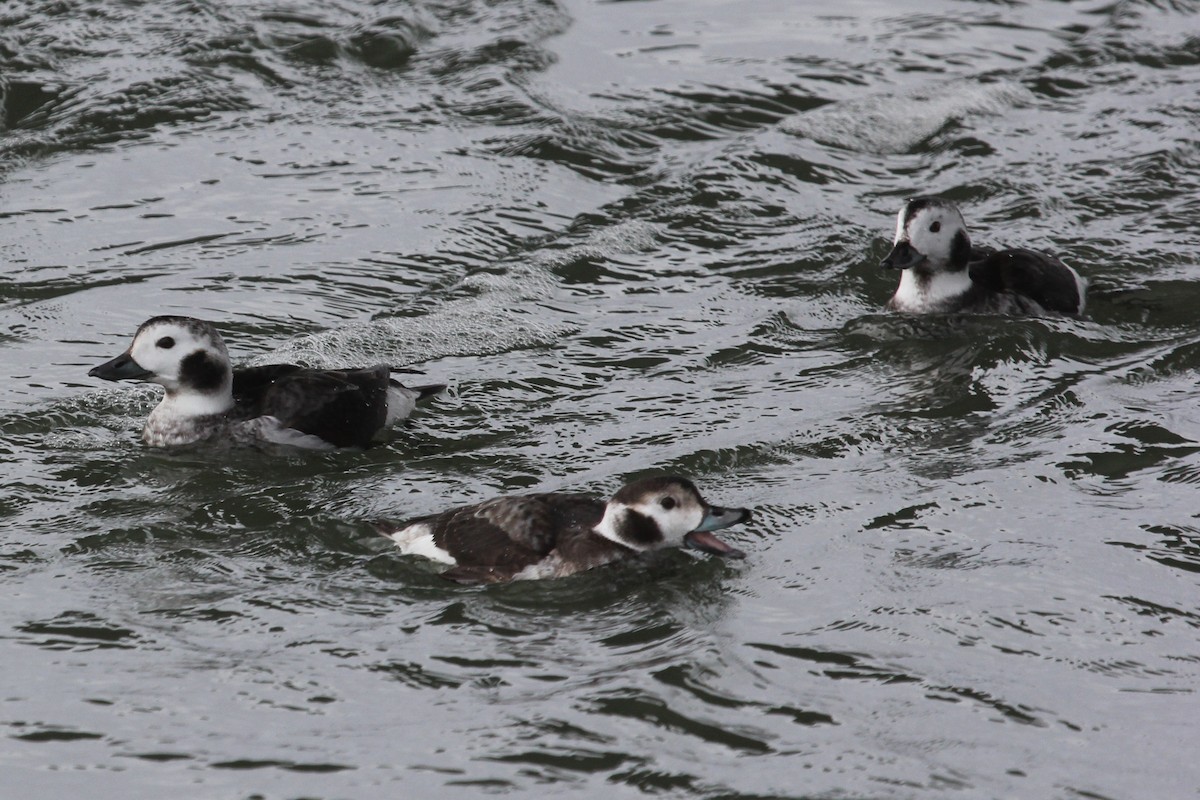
(916, 295)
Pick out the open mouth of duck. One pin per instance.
(705, 542)
(702, 538)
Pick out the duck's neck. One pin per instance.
(610, 524)
(187, 416)
(628, 528)
(929, 291)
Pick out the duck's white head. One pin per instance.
(931, 237)
(186, 356)
(653, 513)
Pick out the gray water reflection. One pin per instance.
(634, 237)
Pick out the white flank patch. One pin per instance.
(270, 429)
(401, 401)
(417, 540)
(549, 567)
(1081, 283)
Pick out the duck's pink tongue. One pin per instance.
(705, 541)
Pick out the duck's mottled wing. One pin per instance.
(1028, 273)
(525, 522)
(251, 384)
(513, 532)
(540, 521)
(497, 537)
(576, 512)
(344, 407)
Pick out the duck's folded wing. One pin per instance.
(496, 540)
(1040, 277)
(980, 252)
(499, 530)
(489, 543)
(345, 408)
(251, 384)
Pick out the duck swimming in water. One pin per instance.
(942, 272)
(557, 534)
(207, 399)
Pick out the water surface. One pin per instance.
(635, 237)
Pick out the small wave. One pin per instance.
(898, 123)
(505, 303)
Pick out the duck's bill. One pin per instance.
(717, 518)
(121, 368)
(903, 256)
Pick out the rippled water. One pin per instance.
(634, 237)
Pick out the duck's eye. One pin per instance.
(668, 503)
(935, 227)
(166, 343)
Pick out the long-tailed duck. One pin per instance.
(556, 534)
(281, 403)
(942, 272)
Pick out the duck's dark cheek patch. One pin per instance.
(640, 528)
(960, 249)
(201, 372)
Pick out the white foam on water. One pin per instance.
(627, 237)
(897, 123)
